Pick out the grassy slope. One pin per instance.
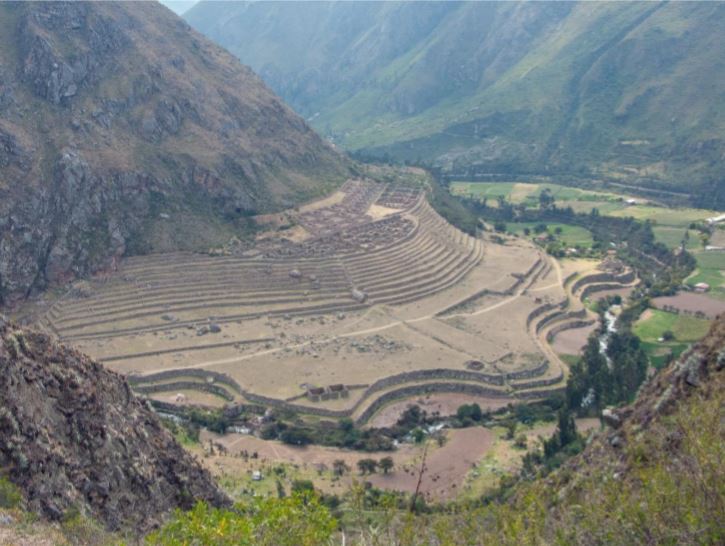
(626, 90)
(619, 97)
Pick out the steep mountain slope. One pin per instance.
(624, 90)
(123, 130)
(74, 437)
(655, 475)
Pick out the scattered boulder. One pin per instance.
(358, 295)
(214, 328)
(610, 418)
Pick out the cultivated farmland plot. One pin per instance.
(374, 298)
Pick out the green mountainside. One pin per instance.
(628, 90)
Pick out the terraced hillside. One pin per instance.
(362, 298)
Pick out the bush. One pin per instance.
(299, 520)
(521, 442)
(296, 436)
(10, 496)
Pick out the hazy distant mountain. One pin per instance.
(179, 7)
(624, 89)
(122, 130)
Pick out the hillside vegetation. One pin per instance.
(625, 91)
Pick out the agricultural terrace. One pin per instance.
(345, 305)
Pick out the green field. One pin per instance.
(528, 193)
(672, 237)
(570, 235)
(671, 222)
(687, 329)
(663, 216)
(710, 267)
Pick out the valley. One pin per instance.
(362, 308)
(466, 288)
(358, 300)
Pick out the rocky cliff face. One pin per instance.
(122, 130)
(73, 436)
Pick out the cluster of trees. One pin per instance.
(599, 380)
(370, 466)
(469, 414)
(341, 434)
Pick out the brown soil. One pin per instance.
(692, 303)
(571, 342)
(446, 467)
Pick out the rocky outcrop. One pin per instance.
(124, 131)
(74, 437)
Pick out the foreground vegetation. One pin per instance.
(626, 498)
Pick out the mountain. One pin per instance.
(73, 437)
(667, 444)
(122, 131)
(179, 7)
(623, 90)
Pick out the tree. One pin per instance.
(540, 228)
(296, 436)
(346, 424)
(510, 429)
(469, 412)
(546, 199)
(668, 335)
(566, 427)
(367, 466)
(418, 435)
(412, 416)
(558, 230)
(386, 464)
(339, 467)
(302, 487)
(500, 226)
(527, 231)
(521, 442)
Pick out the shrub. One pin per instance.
(521, 441)
(298, 520)
(10, 496)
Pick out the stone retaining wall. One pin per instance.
(593, 288)
(551, 334)
(428, 388)
(140, 380)
(186, 385)
(624, 278)
(543, 309)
